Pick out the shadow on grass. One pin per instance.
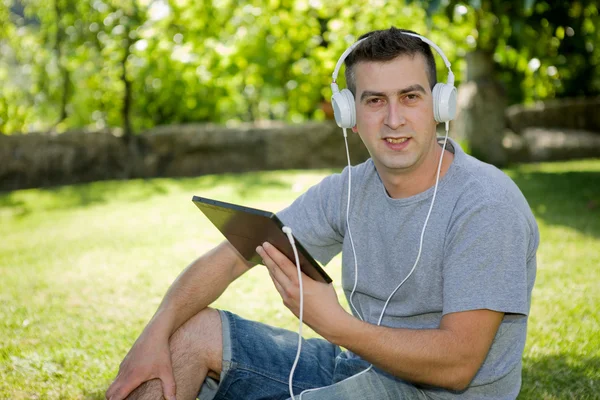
(569, 199)
(559, 198)
(27, 201)
(559, 377)
(244, 183)
(23, 202)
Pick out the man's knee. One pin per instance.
(199, 340)
(196, 346)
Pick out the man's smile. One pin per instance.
(396, 140)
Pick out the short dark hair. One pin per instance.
(386, 45)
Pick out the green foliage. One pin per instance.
(542, 49)
(136, 64)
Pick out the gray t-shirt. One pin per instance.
(479, 252)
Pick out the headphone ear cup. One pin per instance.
(344, 109)
(444, 102)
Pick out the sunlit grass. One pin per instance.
(562, 357)
(84, 267)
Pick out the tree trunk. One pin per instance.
(132, 169)
(481, 105)
(126, 110)
(65, 74)
(66, 77)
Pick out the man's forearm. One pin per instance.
(420, 356)
(447, 357)
(200, 284)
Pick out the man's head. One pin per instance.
(392, 75)
(386, 45)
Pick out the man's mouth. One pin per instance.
(396, 140)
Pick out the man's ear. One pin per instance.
(354, 129)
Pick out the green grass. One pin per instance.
(82, 268)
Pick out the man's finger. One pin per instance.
(168, 384)
(277, 285)
(119, 391)
(284, 295)
(273, 268)
(285, 264)
(113, 387)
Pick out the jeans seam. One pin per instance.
(273, 377)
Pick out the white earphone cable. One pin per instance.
(288, 232)
(437, 179)
(348, 228)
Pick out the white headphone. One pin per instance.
(444, 94)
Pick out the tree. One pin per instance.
(6, 32)
(135, 64)
(518, 51)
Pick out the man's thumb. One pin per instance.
(168, 385)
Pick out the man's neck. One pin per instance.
(410, 183)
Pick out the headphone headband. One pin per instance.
(349, 50)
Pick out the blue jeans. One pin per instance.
(257, 360)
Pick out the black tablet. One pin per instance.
(247, 228)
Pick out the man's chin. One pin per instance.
(394, 166)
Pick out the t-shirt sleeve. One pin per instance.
(315, 218)
(485, 264)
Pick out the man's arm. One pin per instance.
(448, 356)
(201, 283)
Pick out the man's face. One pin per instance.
(394, 113)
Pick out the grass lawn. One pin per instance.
(84, 267)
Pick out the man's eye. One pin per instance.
(374, 101)
(411, 97)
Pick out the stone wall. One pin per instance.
(189, 150)
(43, 160)
(553, 130)
(547, 131)
(576, 114)
(35, 160)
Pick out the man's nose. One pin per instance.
(395, 115)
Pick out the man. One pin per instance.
(455, 329)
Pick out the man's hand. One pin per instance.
(322, 310)
(149, 358)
